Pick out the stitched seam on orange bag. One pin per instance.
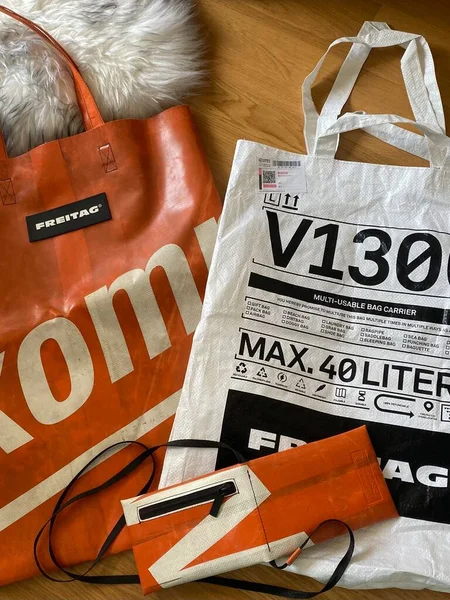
(108, 158)
(7, 191)
(257, 508)
(368, 481)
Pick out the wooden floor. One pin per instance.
(261, 50)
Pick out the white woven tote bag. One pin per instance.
(328, 307)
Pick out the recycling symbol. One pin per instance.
(262, 373)
(241, 368)
(301, 385)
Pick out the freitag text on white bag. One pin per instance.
(327, 307)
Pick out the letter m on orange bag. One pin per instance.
(105, 243)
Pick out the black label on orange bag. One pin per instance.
(68, 217)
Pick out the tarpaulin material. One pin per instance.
(105, 242)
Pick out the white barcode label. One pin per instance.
(286, 163)
(276, 175)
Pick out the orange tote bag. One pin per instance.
(105, 241)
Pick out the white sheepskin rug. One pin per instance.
(137, 56)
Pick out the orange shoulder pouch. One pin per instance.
(256, 511)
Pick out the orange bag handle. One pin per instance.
(89, 109)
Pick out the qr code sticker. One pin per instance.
(269, 176)
(281, 176)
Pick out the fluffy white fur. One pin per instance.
(137, 56)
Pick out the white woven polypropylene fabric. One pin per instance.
(329, 279)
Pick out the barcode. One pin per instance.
(286, 163)
(269, 176)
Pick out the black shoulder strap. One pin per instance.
(275, 590)
(147, 452)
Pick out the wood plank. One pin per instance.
(260, 52)
(39, 588)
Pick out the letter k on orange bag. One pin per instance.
(105, 242)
